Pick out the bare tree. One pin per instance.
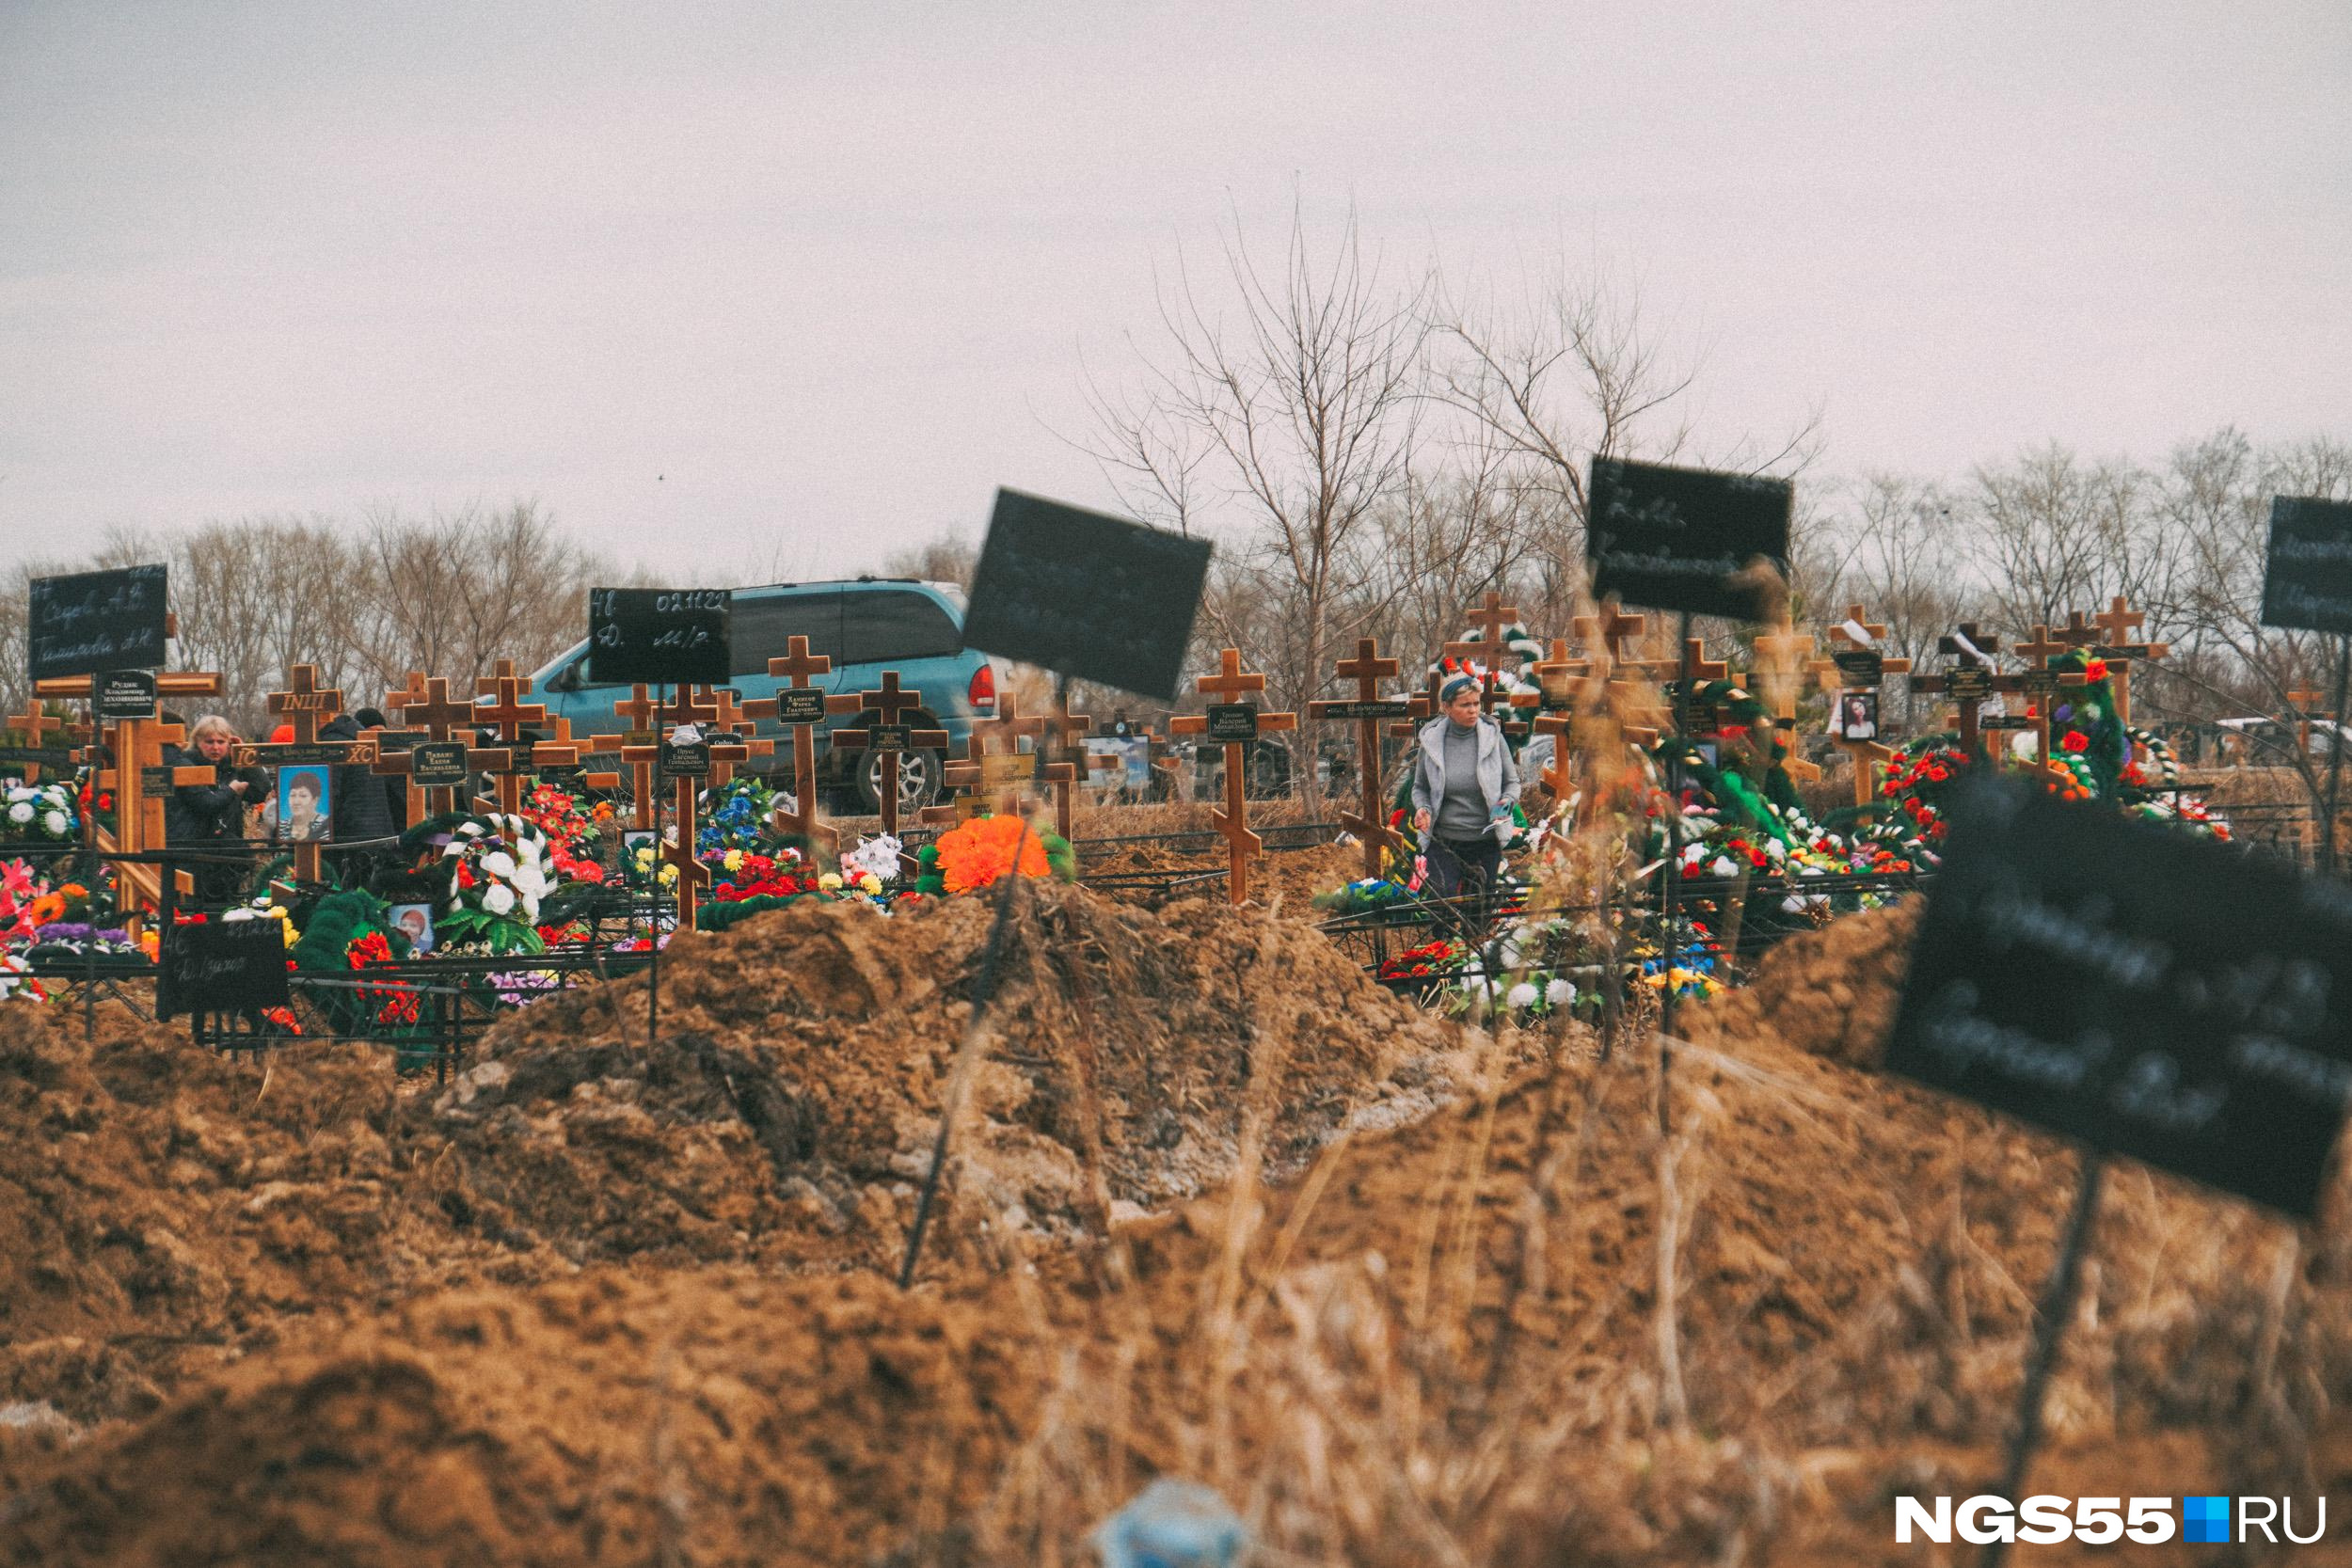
(1286, 401)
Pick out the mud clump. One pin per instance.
(1832, 992)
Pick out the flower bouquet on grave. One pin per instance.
(39, 813)
(745, 882)
(643, 865)
(497, 871)
(1363, 895)
(983, 852)
(1432, 960)
(573, 831)
(736, 816)
(348, 933)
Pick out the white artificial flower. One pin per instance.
(227, 915)
(1559, 993)
(472, 829)
(21, 812)
(499, 864)
(530, 907)
(1521, 995)
(497, 899)
(55, 821)
(1724, 866)
(452, 848)
(530, 881)
(526, 852)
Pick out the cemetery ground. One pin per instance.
(1404, 1291)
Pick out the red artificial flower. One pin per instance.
(2075, 741)
(2096, 669)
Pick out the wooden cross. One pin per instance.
(1868, 756)
(1973, 650)
(729, 716)
(1063, 731)
(887, 702)
(2305, 704)
(1610, 631)
(1783, 661)
(137, 828)
(796, 668)
(2116, 627)
(427, 704)
(638, 748)
(1369, 821)
(145, 762)
(692, 874)
(303, 707)
(508, 716)
(2038, 652)
(32, 724)
(1487, 648)
(1231, 682)
(1494, 619)
(1694, 671)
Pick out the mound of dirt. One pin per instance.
(793, 1097)
(164, 1210)
(1831, 992)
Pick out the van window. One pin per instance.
(758, 628)
(883, 625)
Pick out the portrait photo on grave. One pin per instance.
(415, 922)
(1856, 717)
(305, 805)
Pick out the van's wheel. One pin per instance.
(918, 783)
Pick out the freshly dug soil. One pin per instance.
(164, 1210)
(1527, 1331)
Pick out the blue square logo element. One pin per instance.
(2204, 1519)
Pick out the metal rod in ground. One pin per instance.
(983, 988)
(2335, 758)
(653, 916)
(1670, 873)
(2051, 1316)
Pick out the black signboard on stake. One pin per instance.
(890, 738)
(221, 966)
(2042, 683)
(2307, 582)
(1860, 667)
(660, 636)
(126, 694)
(95, 621)
(1087, 595)
(438, 764)
(2148, 994)
(1968, 683)
(1232, 721)
(1686, 538)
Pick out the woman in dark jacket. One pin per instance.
(361, 813)
(212, 817)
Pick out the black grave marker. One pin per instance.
(1685, 538)
(660, 636)
(221, 966)
(92, 622)
(1087, 595)
(689, 759)
(126, 694)
(1232, 721)
(2147, 993)
(801, 704)
(438, 764)
(1859, 667)
(2307, 582)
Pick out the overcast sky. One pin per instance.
(728, 283)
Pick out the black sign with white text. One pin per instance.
(2156, 995)
(221, 966)
(660, 636)
(437, 764)
(94, 621)
(126, 694)
(2307, 582)
(1232, 721)
(1095, 598)
(1687, 538)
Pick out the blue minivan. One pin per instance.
(865, 625)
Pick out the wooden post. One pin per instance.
(889, 739)
(1369, 821)
(507, 715)
(804, 714)
(1783, 661)
(1975, 650)
(636, 748)
(1063, 731)
(2116, 646)
(137, 828)
(1232, 682)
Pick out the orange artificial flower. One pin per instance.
(47, 909)
(979, 852)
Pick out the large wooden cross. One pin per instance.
(509, 716)
(303, 707)
(1231, 684)
(1487, 647)
(1783, 661)
(1869, 756)
(889, 739)
(2116, 627)
(1612, 641)
(1972, 652)
(1067, 760)
(156, 780)
(2038, 652)
(2305, 704)
(138, 820)
(1369, 821)
(797, 669)
(427, 704)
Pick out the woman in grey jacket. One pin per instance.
(1463, 784)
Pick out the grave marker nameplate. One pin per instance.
(221, 966)
(1087, 595)
(800, 706)
(126, 694)
(1381, 708)
(1685, 538)
(660, 636)
(2153, 995)
(438, 764)
(95, 623)
(2307, 580)
(1860, 667)
(1967, 683)
(1232, 721)
(686, 759)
